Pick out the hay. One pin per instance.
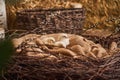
(97, 11)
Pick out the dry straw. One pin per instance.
(96, 10)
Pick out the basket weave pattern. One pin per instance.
(52, 20)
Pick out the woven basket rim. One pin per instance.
(52, 9)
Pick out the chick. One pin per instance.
(63, 41)
(48, 40)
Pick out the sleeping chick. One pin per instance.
(99, 51)
(48, 40)
(58, 39)
(63, 41)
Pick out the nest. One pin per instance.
(23, 67)
(104, 37)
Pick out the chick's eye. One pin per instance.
(84, 39)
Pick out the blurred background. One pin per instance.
(96, 10)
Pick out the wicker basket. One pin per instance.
(52, 20)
